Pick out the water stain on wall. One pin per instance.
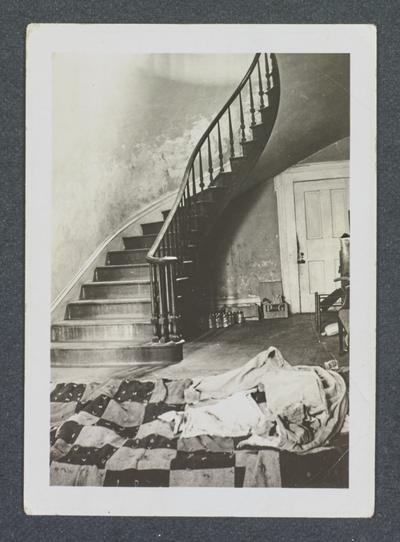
(121, 138)
(246, 251)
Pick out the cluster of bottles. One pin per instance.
(225, 318)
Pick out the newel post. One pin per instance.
(155, 306)
(173, 317)
(162, 298)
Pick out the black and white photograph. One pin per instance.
(200, 216)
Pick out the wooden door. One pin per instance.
(321, 209)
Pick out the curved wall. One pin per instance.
(123, 129)
(125, 125)
(314, 110)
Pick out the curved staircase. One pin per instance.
(151, 293)
(110, 323)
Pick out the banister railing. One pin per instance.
(172, 257)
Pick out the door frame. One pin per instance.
(284, 188)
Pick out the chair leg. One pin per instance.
(317, 313)
(341, 333)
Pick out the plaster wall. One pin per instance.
(246, 251)
(123, 129)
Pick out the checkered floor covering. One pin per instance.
(110, 435)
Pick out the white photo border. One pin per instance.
(42, 499)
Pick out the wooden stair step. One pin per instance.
(210, 195)
(116, 289)
(139, 241)
(267, 114)
(259, 130)
(151, 228)
(98, 309)
(249, 147)
(121, 272)
(135, 255)
(237, 163)
(103, 330)
(224, 179)
(113, 353)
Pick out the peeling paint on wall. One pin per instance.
(122, 138)
(247, 250)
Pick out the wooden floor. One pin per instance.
(220, 350)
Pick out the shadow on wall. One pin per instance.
(121, 138)
(246, 250)
(314, 110)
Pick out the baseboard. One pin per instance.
(233, 300)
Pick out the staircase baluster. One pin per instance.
(194, 206)
(172, 315)
(162, 247)
(252, 110)
(201, 171)
(193, 182)
(168, 241)
(242, 124)
(184, 225)
(170, 234)
(260, 85)
(179, 241)
(185, 238)
(220, 153)
(210, 164)
(163, 318)
(267, 75)
(274, 70)
(175, 233)
(174, 237)
(189, 198)
(154, 304)
(184, 197)
(231, 140)
(179, 227)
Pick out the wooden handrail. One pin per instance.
(168, 254)
(151, 258)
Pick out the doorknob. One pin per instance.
(300, 257)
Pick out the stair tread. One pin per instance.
(124, 265)
(103, 322)
(109, 345)
(110, 301)
(143, 235)
(130, 250)
(114, 282)
(97, 345)
(258, 124)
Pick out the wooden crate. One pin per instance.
(275, 310)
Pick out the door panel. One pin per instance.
(312, 200)
(321, 210)
(316, 273)
(339, 212)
